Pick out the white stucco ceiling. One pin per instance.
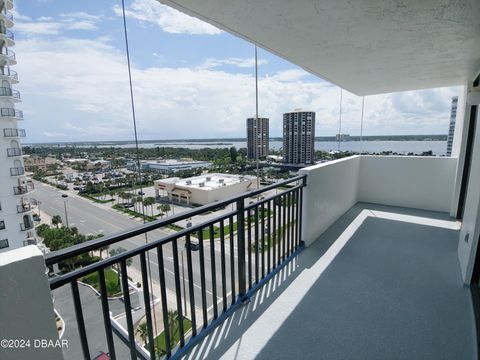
(365, 46)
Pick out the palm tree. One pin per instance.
(165, 208)
(159, 208)
(128, 261)
(173, 322)
(149, 201)
(56, 219)
(142, 331)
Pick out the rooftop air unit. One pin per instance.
(209, 178)
(202, 184)
(189, 182)
(221, 181)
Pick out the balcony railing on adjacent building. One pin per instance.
(23, 189)
(7, 14)
(7, 33)
(11, 112)
(12, 152)
(14, 132)
(6, 91)
(17, 171)
(23, 208)
(238, 251)
(9, 54)
(24, 226)
(6, 71)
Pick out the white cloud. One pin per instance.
(48, 26)
(238, 62)
(38, 28)
(168, 19)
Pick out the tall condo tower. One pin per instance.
(299, 137)
(257, 137)
(16, 223)
(451, 129)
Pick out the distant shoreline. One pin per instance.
(229, 141)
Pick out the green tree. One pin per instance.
(56, 220)
(165, 208)
(233, 154)
(142, 332)
(149, 201)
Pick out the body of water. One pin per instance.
(402, 147)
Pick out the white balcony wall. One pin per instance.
(415, 182)
(331, 191)
(26, 308)
(470, 231)
(333, 188)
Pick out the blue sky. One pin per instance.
(191, 80)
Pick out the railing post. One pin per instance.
(242, 276)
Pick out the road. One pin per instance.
(91, 218)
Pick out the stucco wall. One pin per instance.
(331, 190)
(26, 308)
(409, 181)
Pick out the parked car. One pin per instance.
(194, 245)
(128, 205)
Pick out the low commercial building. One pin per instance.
(33, 162)
(169, 166)
(204, 189)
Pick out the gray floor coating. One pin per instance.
(392, 292)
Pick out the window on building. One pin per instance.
(4, 243)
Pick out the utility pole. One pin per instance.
(66, 215)
(256, 119)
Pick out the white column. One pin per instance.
(26, 307)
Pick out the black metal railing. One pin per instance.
(7, 33)
(14, 132)
(6, 91)
(7, 14)
(11, 152)
(23, 189)
(228, 257)
(17, 171)
(10, 54)
(6, 71)
(11, 112)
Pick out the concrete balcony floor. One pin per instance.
(381, 283)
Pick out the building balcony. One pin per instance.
(7, 36)
(7, 56)
(12, 75)
(7, 18)
(23, 208)
(11, 113)
(24, 226)
(7, 4)
(14, 152)
(363, 246)
(11, 132)
(10, 93)
(24, 189)
(17, 171)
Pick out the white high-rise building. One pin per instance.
(451, 129)
(16, 223)
(299, 137)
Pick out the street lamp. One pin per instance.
(65, 196)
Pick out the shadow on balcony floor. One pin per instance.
(381, 283)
